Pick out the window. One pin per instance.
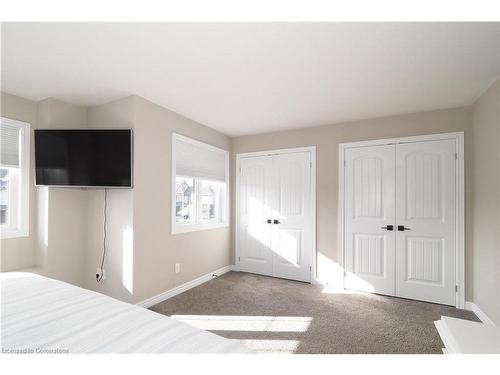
(200, 185)
(14, 178)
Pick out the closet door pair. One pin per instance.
(275, 215)
(400, 220)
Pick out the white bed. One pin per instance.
(45, 315)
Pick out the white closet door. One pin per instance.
(369, 209)
(291, 238)
(275, 233)
(426, 209)
(254, 236)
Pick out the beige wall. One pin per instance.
(498, 204)
(156, 250)
(19, 253)
(485, 204)
(327, 138)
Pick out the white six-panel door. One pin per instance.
(400, 220)
(275, 230)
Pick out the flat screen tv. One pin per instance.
(83, 157)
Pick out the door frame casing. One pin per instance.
(239, 156)
(460, 201)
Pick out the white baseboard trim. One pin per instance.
(183, 287)
(471, 306)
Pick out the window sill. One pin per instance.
(7, 234)
(177, 229)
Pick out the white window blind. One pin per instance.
(9, 143)
(196, 159)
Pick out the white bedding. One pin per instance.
(43, 315)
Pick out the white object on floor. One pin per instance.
(471, 306)
(466, 337)
(39, 313)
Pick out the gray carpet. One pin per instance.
(282, 316)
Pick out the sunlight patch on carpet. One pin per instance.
(247, 323)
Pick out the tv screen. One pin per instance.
(84, 158)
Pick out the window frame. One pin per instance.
(21, 229)
(177, 228)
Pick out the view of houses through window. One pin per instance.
(197, 200)
(185, 199)
(4, 196)
(210, 195)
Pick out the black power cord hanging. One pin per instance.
(100, 275)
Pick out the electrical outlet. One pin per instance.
(177, 267)
(98, 272)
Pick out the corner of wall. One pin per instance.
(485, 205)
(118, 264)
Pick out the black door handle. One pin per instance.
(269, 221)
(388, 227)
(402, 228)
(276, 221)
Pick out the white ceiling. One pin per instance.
(252, 78)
